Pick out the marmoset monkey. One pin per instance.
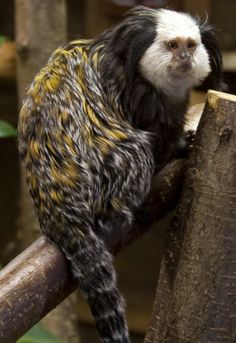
(97, 121)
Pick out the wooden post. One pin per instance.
(196, 298)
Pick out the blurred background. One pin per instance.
(138, 265)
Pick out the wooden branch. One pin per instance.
(195, 298)
(38, 280)
(31, 285)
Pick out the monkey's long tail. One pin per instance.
(92, 265)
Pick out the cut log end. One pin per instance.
(214, 95)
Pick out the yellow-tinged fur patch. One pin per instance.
(56, 196)
(104, 144)
(60, 177)
(34, 148)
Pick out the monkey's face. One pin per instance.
(176, 58)
(181, 56)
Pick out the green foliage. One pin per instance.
(2, 39)
(38, 335)
(7, 130)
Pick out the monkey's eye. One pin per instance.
(191, 45)
(172, 45)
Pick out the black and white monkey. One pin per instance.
(153, 59)
(98, 121)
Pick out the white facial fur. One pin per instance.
(155, 63)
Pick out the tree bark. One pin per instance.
(41, 26)
(195, 299)
(39, 279)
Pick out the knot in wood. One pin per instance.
(225, 135)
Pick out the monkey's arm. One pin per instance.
(186, 143)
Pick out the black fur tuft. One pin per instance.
(208, 35)
(126, 44)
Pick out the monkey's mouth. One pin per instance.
(181, 69)
(186, 66)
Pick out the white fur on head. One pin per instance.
(155, 61)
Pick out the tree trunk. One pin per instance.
(195, 298)
(41, 26)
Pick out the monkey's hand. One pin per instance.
(185, 144)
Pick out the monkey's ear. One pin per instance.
(208, 35)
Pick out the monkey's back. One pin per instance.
(82, 157)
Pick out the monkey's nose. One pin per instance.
(184, 56)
